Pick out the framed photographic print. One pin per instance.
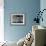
(17, 19)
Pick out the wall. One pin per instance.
(1, 21)
(26, 7)
(43, 6)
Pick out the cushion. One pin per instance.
(20, 42)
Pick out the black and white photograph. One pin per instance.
(17, 19)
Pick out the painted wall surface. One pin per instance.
(43, 6)
(26, 7)
(1, 21)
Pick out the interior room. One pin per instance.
(22, 22)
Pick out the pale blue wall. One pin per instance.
(43, 6)
(27, 7)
